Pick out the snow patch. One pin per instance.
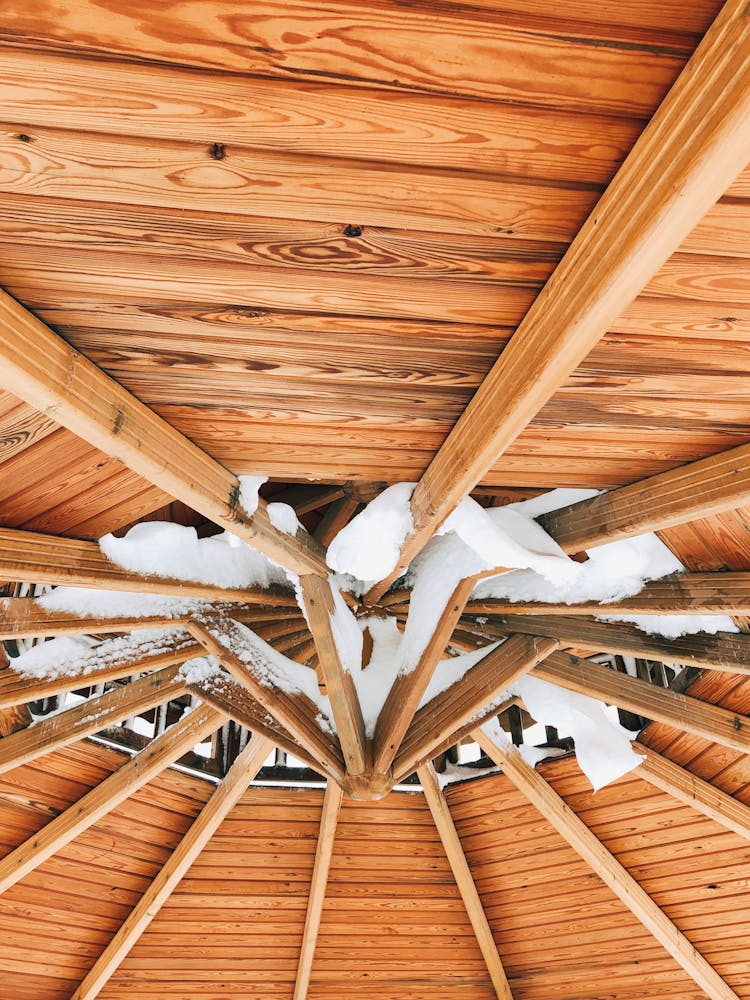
(368, 547)
(249, 497)
(283, 518)
(674, 626)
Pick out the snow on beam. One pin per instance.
(460, 868)
(689, 153)
(218, 807)
(110, 793)
(29, 556)
(323, 855)
(42, 369)
(659, 704)
(293, 710)
(682, 594)
(572, 829)
(699, 489)
(726, 651)
(90, 717)
(447, 718)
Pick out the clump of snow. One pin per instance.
(116, 604)
(674, 626)
(249, 487)
(173, 550)
(368, 547)
(375, 681)
(504, 537)
(457, 772)
(347, 634)
(200, 669)
(283, 518)
(452, 669)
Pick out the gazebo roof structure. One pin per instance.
(491, 249)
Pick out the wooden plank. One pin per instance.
(690, 151)
(33, 557)
(443, 719)
(659, 704)
(723, 651)
(337, 516)
(108, 794)
(221, 803)
(602, 862)
(462, 874)
(12, 717)
(691, 789)
(240, 656)
(708, 486)
(408, 688)
(90, 716)
(49, 374)
(682, 594)
(109, 661)
(316, 898)
(319, 604)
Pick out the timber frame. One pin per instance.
(690, 152)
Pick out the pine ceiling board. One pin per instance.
(20, 426)
(247, 182)
(444, 49)
(46, 89)
(719, 542)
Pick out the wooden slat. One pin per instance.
(691, 150)
(347, 713)
(682, 594)
(134, 774)
(296, 713)
(219, 806)
(33, 557)
(443, 719)
(462, 874)
(604, 864)
(52, 376)
(722, 651)
(659, 704)
(90, 716)
(408, 688)
(335, 518)
(708, 486)
(316, 898)
(691, 789)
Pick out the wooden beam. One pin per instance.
(337, 516)
(89, 717)
(603, 863)
(233, 700)
(218, 807)
(323, 855)
(691, 150)
(108, 794)
(445, 719)
(45, 371)
(245, 660)
(686, 787)
(347, 713)
(12, 717)
(408, 689)
(109, 661)
(708, 486)
(29, 556)
(681, 594)
(462, 874)
(659, 704)
(727, 651)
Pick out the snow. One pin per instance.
(375, 681)
(347, 634)
(115, 604)
(249, 498)
(368, 547)
(283, 518)
(452, 669)
(673, 626)
(173, 550)
(200, 669)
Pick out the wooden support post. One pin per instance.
(659, 704)
(686, 787)
(109, 794)
(692, 149)
(462, 874)
(604, 864)
(207, 822)
(90, 717)
(318, 598)
(244, 659)
(445, 719)
(323, 855)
